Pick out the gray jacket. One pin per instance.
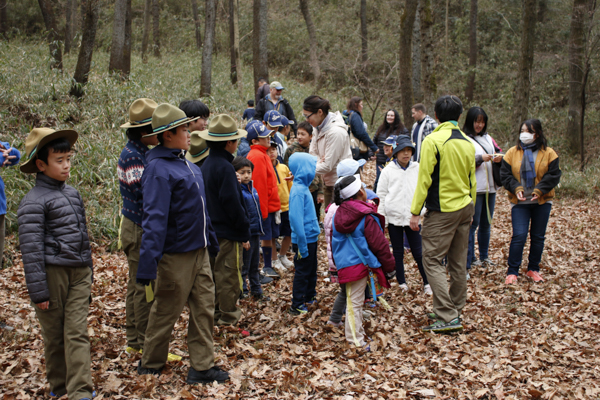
(52, 231)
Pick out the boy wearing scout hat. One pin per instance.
(228, 215)
(176, 241)
(58, 261)
(130, 168)
(198, 112)
(198, 149)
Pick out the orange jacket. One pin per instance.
(265, 181)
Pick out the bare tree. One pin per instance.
(428, 81)
(234, 42)
(407, 22)
(54, 43)
(196, 24)
(3, 18)
(68, 25)
(209, 38)
(156, 27)
(521, 104)
(312, 41)
(260, 57)
(416, 59)
(84, 61)
(447, 24)
(363, 35)
(120, 50)
(472, 52)
(146, 31)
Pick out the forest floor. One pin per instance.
(524, 341)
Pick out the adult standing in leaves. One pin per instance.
(530, 172)
(391, 125)
(353, 112)
(275, 101)
(422, 127)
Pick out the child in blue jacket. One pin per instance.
(305, 232)
(9, 156)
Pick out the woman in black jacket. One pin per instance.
(391, 126)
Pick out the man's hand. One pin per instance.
(414, 222)
(246, 245)
(44, 305)
(320, 198)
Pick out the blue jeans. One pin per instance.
(414, 239)
(378, 169)
(480, 219)
(250, 268)
(521, 215)
(305, 277)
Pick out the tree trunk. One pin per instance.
(312, 41)
(3, 18)
(363, 36)
(156, 28)
(521, 110)
(416, 59)
(407, 22)
(68, 25)
(120, 50)
(234, 41)
(447, 27)
(49, 15)
(196, 24)
(472, 53)
(207, 50)
(428, 81)
(146, 32)
(84, 61)
(576, 67)
(542, 10)
(259, 43)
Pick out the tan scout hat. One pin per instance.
(167, 117)
(37, 139)
(221, 128)
(140, 113)
(198, 149)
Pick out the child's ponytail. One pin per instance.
(342, 184)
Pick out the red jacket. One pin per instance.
(265, 181)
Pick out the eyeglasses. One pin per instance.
(307, 116)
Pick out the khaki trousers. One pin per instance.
(355, 295)
(328, 195)
(64, 330)
(182, 277)
(226, 268)
(447, 233)
(137, 309)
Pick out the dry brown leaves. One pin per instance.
(529, 341)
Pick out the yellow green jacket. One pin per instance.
(446, 171)
(283, 187)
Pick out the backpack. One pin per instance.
(356, 146)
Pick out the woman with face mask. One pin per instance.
(530, 172)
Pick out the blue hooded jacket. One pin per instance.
(303, 216)
(175, 218)
(252, 203)
(17, 154)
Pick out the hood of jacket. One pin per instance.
(351, 212)
(303, 166)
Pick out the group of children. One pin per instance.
(194, 222)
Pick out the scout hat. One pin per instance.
(37, 139)
(402, 142)
(256, 130)
(198, 149)
(221, 128)
(167, 117)
(140, 113)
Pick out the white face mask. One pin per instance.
(527, 138)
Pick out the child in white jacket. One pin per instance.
(396, 189)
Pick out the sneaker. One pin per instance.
(173, 357)
(278, 266)
(270, 272)
(370, 303)
(335, 324)
(535, 276)
(260, 297)
(510, 279)
(302, 309)
(367, 314)
(468, 276)
(286, 261)
(403, 287)
(208, 376)
(133, 350)
(265, 279)
(487, 262)
(440, 326)
(427, 290)
(311, 302)
(432, 316)
(147, 371)
(476, 263)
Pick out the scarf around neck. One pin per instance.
(528, 165)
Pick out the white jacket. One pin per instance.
(331, 145)
(396, 189)
(483, 173)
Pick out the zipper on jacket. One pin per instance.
(78, 225)
(202, 199)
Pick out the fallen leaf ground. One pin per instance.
(527, 341)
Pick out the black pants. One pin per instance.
(317, 205)
(414, 239)
(305, 277)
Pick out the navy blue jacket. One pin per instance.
(224, 197)
(252, 203)
(243, 147)
(175, 218)
(358, 129)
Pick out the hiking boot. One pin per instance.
(265, 279)
(302, 309)
(335, 324)
(208, 376)
(403, 287)
(147, 371)
(286, 261)
(476, 263)
(427, 290)
(535, 276)
(270, 272)
(510, 279)
(487, 262)
(278, 266)
(440, 326)
(260, 297)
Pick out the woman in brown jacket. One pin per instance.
(530, 172)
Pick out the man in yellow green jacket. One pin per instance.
(447, 188)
